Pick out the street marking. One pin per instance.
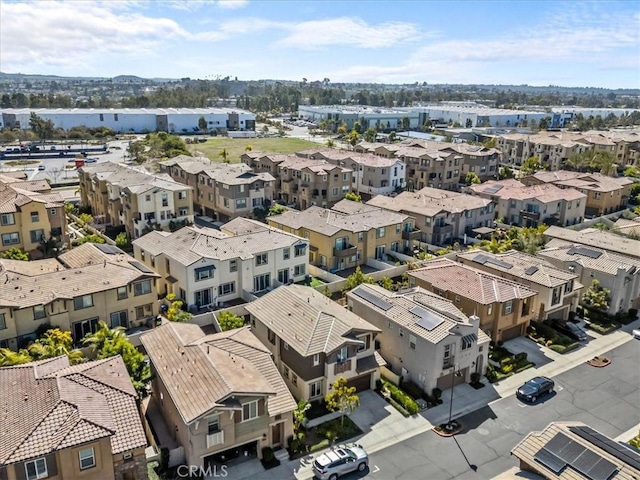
(376, 469)
(560, 388)
(522, 405)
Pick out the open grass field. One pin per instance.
(236, 146)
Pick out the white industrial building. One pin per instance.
(137, 120)
(383, 118)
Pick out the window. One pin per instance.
(182, 195)
(3, 323)
(490, 309)
(466, 343)
(360, 236)
(142, 288)
(299, 270)
(142, 255)
(283, 276)
(286, 253)
(285, 345)
(555, 297)
(342, 355)
(203, 273)
(7, 219)
(36, 469)
(233, 265)
(316, 359)
(165, 200)
(294, 379)
(227, 288)
(345, 177)
(285, 372)
(122, 293)
(390, 325)
(299, 250)
(183, 211)
(213, 425)
(400, 332)
(508, 307)
(144, 311)
(271, 336)
(457, 298)
(36, 235)
(447, 359)
(119, 319)
(398, 228)
(85, 301)
(262, 259)
(568, 287)
(87, 458)
(334, 191)
(412, 342)
(250, 411)
(39, 312)
(147, 198)
(315, 389)
(226, 202)
(35, 217)
(380, 232)
(257, 202)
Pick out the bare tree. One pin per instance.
(55, 173)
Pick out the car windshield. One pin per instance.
(351, 453)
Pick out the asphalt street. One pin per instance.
(607, 399)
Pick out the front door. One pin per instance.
(203, 297)
(275, 435)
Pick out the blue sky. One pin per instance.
(543, 42)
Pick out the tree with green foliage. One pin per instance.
(102, 335)
(577, 162)
(85, 219)
(406, 123)
(354, 197)
(224, 153)
(175, 313)
(93, 238)
(506, 172)
(490, 142)
(342, 130)
(472, 179)
(604, 162)
(9, 358)
(122, 240)
(357, 127)
(15, 253)
(299, 420)
(635, 441)
(342, 398)
(596, 297)
(355, 279)
(202, 125)
(353, 138)
(370, 135)
(530, 166)
(229, 321)
(42, 128)
(530, 239)
(392, 137)
(330, 143)
(276, 209)
(386, 283)
(55, 343)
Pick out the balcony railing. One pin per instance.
(528, 214)
(342, 367)
(411, 235)
(344, 252)
(214, 439)
(446, 228)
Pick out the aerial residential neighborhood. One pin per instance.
(319, 240)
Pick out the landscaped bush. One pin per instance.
(412, 389)
(494, 375)
(498, 353)
(399, 407)
(603, 329)
(475, 377)
(319, 446)
(504, 362)
(402, 398)
(520, 357)
(562, 349)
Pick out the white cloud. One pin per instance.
(232, 4)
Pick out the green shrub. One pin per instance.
(322, 444)
(506, 361)
(267, 454)
(399, 407)
(506, 368)
(475, 377)
(523, 367)
(603, 329)
(521, 357)
(402, 398)
(558, 348)
(437, 393)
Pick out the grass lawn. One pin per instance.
(316, 282)
(236, 146)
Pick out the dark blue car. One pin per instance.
(535, 388)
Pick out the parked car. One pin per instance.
(339, 461)
(571, 330)
(41, 167)
(530, 391)
(91, 160)
(636, 334)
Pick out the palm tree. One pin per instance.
(103, 335)
(225, 155)
(55, 343)
(331, 143)
(577, 161)
(9, 358)
(605, 162)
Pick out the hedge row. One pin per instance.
(402, 398)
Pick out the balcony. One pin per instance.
(215, 439)
(342, 367)
(531, 215)
(445, 228)
(344, 252)
(411, 234)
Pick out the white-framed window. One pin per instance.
(412, 342)
(294, 379)
(87, 458)
(144, 311)
(119, 319)
(182, 195)
(36, 235)
(390, 325)
(147, 198)
(39, 312)
(400, 332)
(262, 259)
(249, 410)
(241, 203)
(233, 265)
(213, 425)
(315, 389)
(285, 372)
(299, 250)
(122, 293)
(36, 469)
(165, 200)
(142, 288)
(227, 288)
(466, 343)
(299, 270)
(183, 211)
(85, 301)
(334, 191)
(457, 298)
(380, 232)
(490, 309)
(508, 307)
(35, 217)
(316, 359)
(286, 253)
(7, 219)
(342, 355)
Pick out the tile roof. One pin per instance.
(528, 447)
(307, 320)
(229, 174)
(48, 406)
(596, 238)
(191, 244)
(134, 179)
(512, 189)
(476, 285)
(13, 198)
(365, 159)
(588, 181)
(606, 262)
(626, 226)
(343, 216)
(522, 265)
(430, 201)
(201, 371)
(89, 271)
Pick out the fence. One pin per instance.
(389, 375)
(176, 457)
(90, 229)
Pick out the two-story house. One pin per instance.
(604, 194)
(222, 191)
(70, 422)
(204, 266)
(314, 341)
(31, 216)
(134, 198)
(348, 234)
(505, 307)
(372, 174)
(217, 393)
(594, 237)
(89, 283)
(618, 273)
(531, 206)
(482, 161)
(434, 167)
(423, 337)
(441, 216)
(558, 289)
(303, 182)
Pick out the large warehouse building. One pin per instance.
(137, 120)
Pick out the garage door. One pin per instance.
(444, 382)
(361, 383)
(510, 333)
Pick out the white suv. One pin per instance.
(339, 461)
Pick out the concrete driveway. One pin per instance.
(535, 353)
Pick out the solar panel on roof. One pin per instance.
(549, 460)
(499, 263)
(602, 470)
(143, 268)
(428, 320)
(108, 249)
(531, 270)
(587, 252)
(371, 298)
(622, 453)
(493, 189)
(593, 466)
(481, 259)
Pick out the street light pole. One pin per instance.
(453, 384)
